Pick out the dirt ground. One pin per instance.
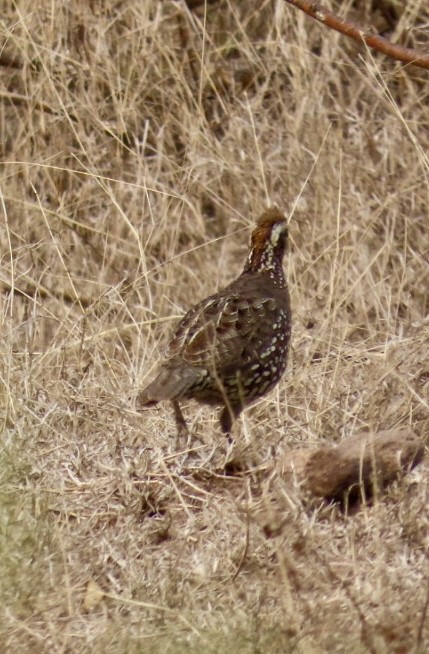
(139, 141)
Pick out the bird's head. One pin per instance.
(268, 242)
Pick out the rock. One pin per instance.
(361, 465)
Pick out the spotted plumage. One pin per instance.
(231, 348)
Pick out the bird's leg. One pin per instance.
(225, 420)
(228, 415)
(182, 427)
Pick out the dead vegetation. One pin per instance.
(139, 140)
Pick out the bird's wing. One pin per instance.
(222, 330)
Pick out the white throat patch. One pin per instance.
(276, 233)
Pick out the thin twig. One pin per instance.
(358, 33)
(419, 643)
(366, 629)
(19, 99)
(247, 538)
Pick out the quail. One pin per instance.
(231, 348)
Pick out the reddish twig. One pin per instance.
(358, 33)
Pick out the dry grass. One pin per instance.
(139, 141)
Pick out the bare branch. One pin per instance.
(358, 33)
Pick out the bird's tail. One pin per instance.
(168, 385)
